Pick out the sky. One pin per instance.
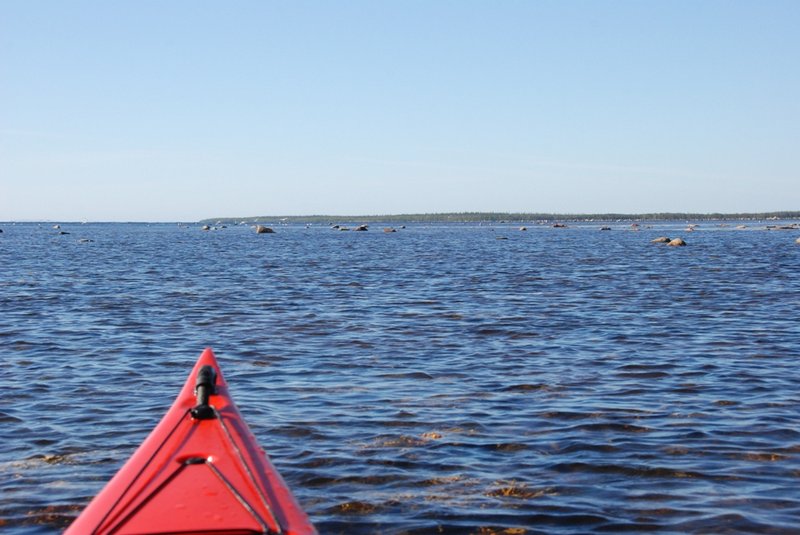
(182, 110)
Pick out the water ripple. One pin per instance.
(434, 380)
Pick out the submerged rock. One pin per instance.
(661, 239)
(677, 242)
(260, 229)
(605, 228)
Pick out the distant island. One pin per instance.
(499, 217)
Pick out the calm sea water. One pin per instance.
(433, 380)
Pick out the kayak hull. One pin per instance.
(199, 471)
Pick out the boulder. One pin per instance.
(523, 229)
(260, 229)
(389, 229)
(797, 241)
(605, 228)
(661, 239)
(677, 242)
(206, 227)
(361, 228)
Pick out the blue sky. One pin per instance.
(181, 110)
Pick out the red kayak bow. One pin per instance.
(199, 471)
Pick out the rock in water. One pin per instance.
(661, 239)
(677, 242)
(260, 229)
(361, 228)
(206, 227)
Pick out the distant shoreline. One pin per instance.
(497, 217)
(451, 217)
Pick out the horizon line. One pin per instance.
(430, 216)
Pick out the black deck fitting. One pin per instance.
(205, 386)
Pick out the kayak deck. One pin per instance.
(199, 471)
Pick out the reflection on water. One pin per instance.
(430, 380)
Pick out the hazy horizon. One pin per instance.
(787, 214)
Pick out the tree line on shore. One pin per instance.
(497, 217)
